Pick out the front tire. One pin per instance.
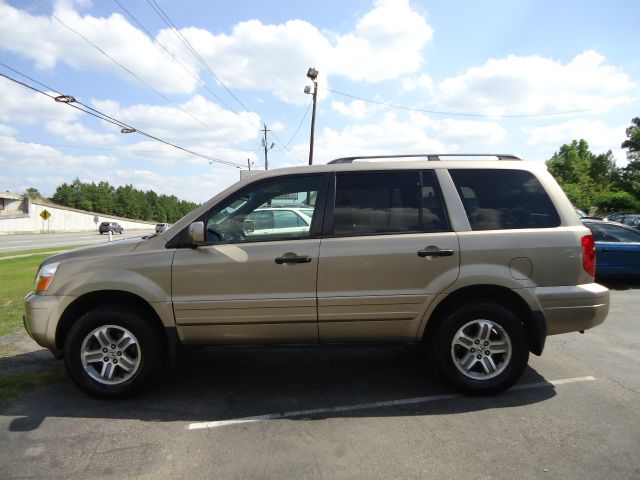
(111, 352)
(481, 348)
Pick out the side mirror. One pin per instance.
(249, 226)
(195, 233)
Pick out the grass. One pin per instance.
(14, 385)
(16, 278)
(49, 250)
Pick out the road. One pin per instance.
(339, 412)
(15, 243)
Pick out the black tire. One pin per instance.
(450, 358)
(146, 351)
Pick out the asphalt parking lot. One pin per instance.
(336, 412)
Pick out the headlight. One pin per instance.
(45, 277)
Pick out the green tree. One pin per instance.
(631, 173)
(632, 143)
(583, 174)
(33, 193)
(124, 201)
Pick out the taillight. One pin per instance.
(589, 255)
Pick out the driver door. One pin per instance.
(249, 284)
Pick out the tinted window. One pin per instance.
(631, 220)
(369, 203)
(613, 233)
(250, 215)
(262, 219)
(504, 199)
(286, 219)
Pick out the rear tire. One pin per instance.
(111, 352)
(480, 348)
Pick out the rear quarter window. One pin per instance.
(497, 199)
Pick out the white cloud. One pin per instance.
(211, 122)
(46, 168)
(598, 135)
(20, 105)
(6, 130)
(535, 85)
(388, 136)
(422, 82)
(154, 153)
(45, 41)
(34, 158)
(419, 133)
(472, 134)
(276, 126)
(356, 110)
(386, 43)
(78, 133)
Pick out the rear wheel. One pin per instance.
(111, 352)
(481, 348)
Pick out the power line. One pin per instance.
(477, 115)
(135, 76)
(167, 20)
(297, 129)
(161, 13)
(125, 128)
(154, 40)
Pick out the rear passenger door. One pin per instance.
(387, 250)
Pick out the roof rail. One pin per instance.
(429, 156)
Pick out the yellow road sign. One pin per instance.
(45, 214)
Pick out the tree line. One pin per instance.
(124, 201)
(594, 181)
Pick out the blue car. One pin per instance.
(617, 249)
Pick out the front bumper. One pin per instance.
(573, 308)
(41, 317)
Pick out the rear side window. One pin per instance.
(504, 199)
(613, 233)
(387, 202)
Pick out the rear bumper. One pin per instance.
(573, 308)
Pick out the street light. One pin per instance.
(312, 73)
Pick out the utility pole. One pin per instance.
(313, 75)
(266, 146)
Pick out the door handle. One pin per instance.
(293, 259)
(606, 249)
(435, 253)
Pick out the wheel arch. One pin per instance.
(533, 321)
(91, 300)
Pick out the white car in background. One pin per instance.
(278, 220)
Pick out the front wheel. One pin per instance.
(111, 352)
(481, 348)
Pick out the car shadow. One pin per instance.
(225, 383)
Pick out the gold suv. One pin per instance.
(480, 260)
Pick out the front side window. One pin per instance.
(387, 202)
(265, 211)
(497, 199)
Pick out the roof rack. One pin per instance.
(430, 156)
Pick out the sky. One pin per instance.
(395, 77)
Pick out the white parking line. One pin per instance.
(364, 406)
